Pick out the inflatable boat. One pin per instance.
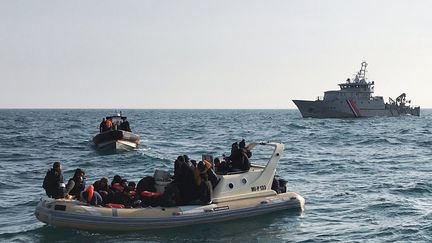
(115, 135)
(237, 195)
(116, 140)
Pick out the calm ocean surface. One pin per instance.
(363, 179)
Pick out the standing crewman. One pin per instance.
(109, 124)
(102, 126)
(53, 182)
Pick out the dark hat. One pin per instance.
(79, 172)
(56, 165)
(181, 159)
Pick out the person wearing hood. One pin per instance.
(76, 184)
(91, 196)
(101, 186)
(53, 182)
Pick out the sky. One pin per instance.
(208, 54)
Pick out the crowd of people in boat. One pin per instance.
(107, 124)
(193, 183)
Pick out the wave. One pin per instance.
(415, 190)
(296, 126)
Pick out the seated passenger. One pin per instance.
(242, 144)
(132, 188)
(243, 147)
(53, 182)
(240, 157)
(116, 179)
(125, 196)
(146, 184)
(91, 196)
(178, 164)
(235, 157)
(76, 184)
(101, 186)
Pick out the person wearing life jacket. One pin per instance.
(54, 183)
(116, 179)
(123, 194)
(204, 185)
(90, 196)
(109, 124)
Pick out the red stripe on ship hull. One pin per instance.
(353, 106)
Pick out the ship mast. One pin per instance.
(361, 75)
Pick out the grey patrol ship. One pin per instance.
(354, 99)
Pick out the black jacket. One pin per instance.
(52, 182)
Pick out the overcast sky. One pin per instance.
(208, 54)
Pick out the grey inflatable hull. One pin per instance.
(116, 140)
(73, 214)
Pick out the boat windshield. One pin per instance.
(261, 155)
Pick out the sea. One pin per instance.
(364, 180)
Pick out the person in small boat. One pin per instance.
(178, 165)
(187, 185)
(235, 157)
(116, 179)
(101, 186)
(125, 195)
(91, 196)
(239, 157)
(124, 125)
(203, 183)
(54, 182)
(244, 149)
(221, 167)
(76, 184)
(242, 144)
(146, 184)
(211, 175)
(245, 163)
(109, 124)
(102, 126)
(145, 190)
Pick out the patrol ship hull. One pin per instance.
(349, 109)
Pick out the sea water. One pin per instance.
(363, 179)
